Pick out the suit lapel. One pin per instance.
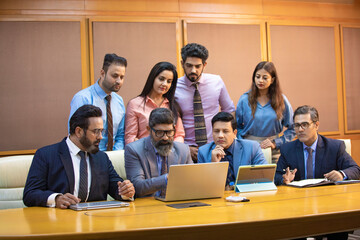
(300, 159)
(320, 153)
(68, 166)
(238, 149)
(94, 172)
(151, 158)
(173, 158)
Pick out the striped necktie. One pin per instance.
(164, 170)
(109, 120)
(199, 120)
(83, 184)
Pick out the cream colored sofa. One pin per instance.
(14, 171)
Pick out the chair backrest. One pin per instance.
(13, 174)
(267, 154)
(347, 145)
(117, 159)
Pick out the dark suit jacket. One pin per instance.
(330, 155)
(141, 165)
(52, 171)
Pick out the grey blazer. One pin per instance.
(141, 165)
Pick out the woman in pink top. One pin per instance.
(158, 92)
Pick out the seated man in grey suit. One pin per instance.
(226, 148)
(147, 160)
(74, 169)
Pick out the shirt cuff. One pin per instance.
(344, 175)
(51, 200)
(127, 198)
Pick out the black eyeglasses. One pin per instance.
(161, 133)
(98, 131)
(303, 125)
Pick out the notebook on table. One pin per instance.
(196, 181)
(251, 178)
(98, 205)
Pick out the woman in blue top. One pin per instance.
(264, 111)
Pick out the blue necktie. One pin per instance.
(309, 164)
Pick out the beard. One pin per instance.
(111, 87)
(163, 147)
(91, 147)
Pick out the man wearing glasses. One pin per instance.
(313, 155)
(74, 170)
(147, 160)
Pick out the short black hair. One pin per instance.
(81, 116)
(194, 50)
(307, 109)
(161, 116)
(112, 58)
(224, 117)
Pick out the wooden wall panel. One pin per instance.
(351, 42)
(234, 51)
(355, 150)
(311, 9)
(133, 5)
(143, 44)
(222, 6)
(42, 4)
(40, 72)
(305, 59)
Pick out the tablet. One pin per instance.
(98, 205)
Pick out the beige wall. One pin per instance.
(238, 34)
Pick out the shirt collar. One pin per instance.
(147, 99)
(231, 148)
(313, 146)
(74, 150)
(99, 91)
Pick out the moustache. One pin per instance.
(163, 142)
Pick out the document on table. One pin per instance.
(318, 182)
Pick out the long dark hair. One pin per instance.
(274, 93)
(155, 71)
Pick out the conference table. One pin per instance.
(287, 212)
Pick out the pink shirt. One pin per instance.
(214, 96)
(137, 118)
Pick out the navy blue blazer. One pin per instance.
(52, 171)
(330, 155)
(246, 152)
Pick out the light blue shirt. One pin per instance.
(306, 154)
(265, 123)
(95, 95)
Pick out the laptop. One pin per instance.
(251, 178)
(98, 205)
(196, 181)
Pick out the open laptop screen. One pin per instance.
(196, 181)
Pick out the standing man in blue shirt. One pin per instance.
(103, 95)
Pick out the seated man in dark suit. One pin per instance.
(226, 148)
(314, 156)
(147, 160)
(74, 170)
